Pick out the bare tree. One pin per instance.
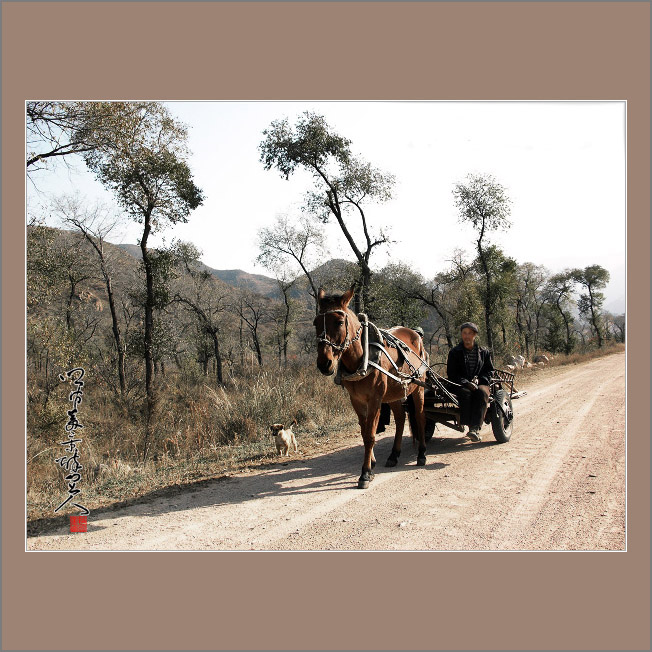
(529, 302)
(288, 249)
(95, 223)
(253, 311)
(199, 291)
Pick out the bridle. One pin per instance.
(323, 337)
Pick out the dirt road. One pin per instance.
(559, 484)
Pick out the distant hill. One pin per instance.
(132, 249)
(334, 274)
(237, 278)
(240, 279)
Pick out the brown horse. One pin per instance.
(339, 338)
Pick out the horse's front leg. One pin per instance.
(368, 416)
(399, 419)
(420, 417)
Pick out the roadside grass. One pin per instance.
(562, 359)
(576, 358)
(202, 432)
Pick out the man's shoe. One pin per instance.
(473, 435)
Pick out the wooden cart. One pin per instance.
(442, 407)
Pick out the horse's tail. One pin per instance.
(409, 403)
(411, 412)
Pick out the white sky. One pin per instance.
(563, 165)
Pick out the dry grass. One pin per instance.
(202, 432)
(561, 359)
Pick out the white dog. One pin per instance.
(284, 438)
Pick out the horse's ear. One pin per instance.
(320, 294)
(347, 296)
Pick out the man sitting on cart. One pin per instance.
(470, 367)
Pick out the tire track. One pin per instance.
(531, 493)
(507, 536)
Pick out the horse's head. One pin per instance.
(337, 328)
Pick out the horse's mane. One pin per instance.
(330, 301)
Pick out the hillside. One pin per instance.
(334, 274)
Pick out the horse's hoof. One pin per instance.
(365, 479)
(391, 462)
(363, 484)
(421, 461)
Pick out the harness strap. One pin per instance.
(392, 341)
(323, 336)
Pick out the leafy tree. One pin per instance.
(57, 130)
(343, 184)
(592, 279)
(556, 337)
(145, 167)
(337, 274)
(453, 294)
(619, 327)
(502, 270)
(45, 277)
(559, 295)
(394, 289)
(483, 202)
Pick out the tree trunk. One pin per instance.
(286, 322)
(115, 326)
(242, 360)
(568, 347)
(522, 334)
(149, 328)
(218, 357)
(363, 294)
(594, 319)
(71, 296)
(487, 300)
(259, 355)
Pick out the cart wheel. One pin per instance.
(430, 429)
(502, 416)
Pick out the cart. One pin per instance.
(441, 405)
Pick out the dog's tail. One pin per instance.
(294, 423)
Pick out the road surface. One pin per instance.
(559, 484)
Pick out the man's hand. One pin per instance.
(470, 385)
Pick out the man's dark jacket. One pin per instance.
(456, 369)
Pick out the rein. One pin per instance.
(323, 336)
